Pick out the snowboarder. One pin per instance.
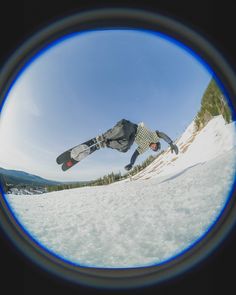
(121, 137)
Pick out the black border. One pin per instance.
(130, 18)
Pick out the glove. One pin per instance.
(173, 147)
(128, 167)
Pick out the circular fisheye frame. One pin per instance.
(117, 156)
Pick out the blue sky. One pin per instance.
(83, 84)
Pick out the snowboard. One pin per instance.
(74, 155)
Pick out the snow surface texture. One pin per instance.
(168, 206)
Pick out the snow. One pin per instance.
(194, 147)
(167, 208)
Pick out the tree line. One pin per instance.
(106, 179)
(60, 187)
(213, 103)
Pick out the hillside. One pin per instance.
(195, 147)
(20, 182)
(24, 177)
(213, 104)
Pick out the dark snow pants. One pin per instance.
(121, 136)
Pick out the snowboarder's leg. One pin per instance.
(121, 136)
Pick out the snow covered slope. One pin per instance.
(215, 139)
(169, 207)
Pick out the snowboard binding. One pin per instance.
(101, 141)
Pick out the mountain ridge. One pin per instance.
(25, 176)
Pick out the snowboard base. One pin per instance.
(74, 155)
(69, 164)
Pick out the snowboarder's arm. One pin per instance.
(132, 160)
(173, 146)
(134, 157)
(162, 135)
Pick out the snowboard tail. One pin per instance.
(64, 157)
